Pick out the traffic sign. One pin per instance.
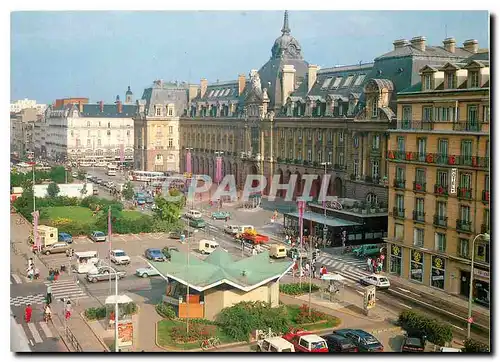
(470, 320)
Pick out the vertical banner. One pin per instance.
(125, 334)
(453, 181)
(122, 152)
(218, 170)
(301, 206)
(36, 239)
(188, 162)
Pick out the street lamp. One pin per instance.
(486, 237)
(190, 171)
(116, 305)
(218, 172)
(187, 291)
(325, 229)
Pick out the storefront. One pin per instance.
(417, 266)
(438, 272)
(396, 260)
(481, 291)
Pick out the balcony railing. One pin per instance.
(485, 228)
(415, 125)
(419, 186)
(398, 213)
(464, 225)
(464, 193)
(438, 158)
(441, 221)
(418, 216)
(399, 184)
(474, 126)
(463, 254)
(486, 196)
(441, 190)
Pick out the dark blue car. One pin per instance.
(65, 237)
(154, 254)
(363, 340)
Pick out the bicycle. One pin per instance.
(213, 342)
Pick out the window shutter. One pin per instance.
(415, 237)
(436, 240)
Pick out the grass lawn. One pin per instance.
(76, 213)
(331, 322)
(164, 340)
(131, 215)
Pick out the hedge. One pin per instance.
(101, 312)
(165, 310)
(473, 346)
(436, 332)
(297, 288)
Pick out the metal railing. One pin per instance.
(72, 339)
(441, 221)
(438, 158)
(428, 125)
(399, 184)
(464, 225)
(418, 216)
(419, 186)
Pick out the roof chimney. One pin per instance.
(101, 106)
(119, 105)
(241, 83)
(203, 87)
(471, 45)
(400, 43)
(80, 107)
(418, 42)
(450, 44)
(312, 74)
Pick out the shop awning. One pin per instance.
(319, 218)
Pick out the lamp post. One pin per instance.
(189, 170)
(325, 229)
(486, 238)
(187, 291)
(218, 172)
(116, 305)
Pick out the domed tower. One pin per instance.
(129, 96)
(285, 51)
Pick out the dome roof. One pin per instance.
(286, 46)
(129, 92)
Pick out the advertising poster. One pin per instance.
(125, 334)
(369, 298)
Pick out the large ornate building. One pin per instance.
(439, 190)
(290, 117)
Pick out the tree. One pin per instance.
(58, 175)
(167, 210)
(128, 191)
(81, 175)
(52, 190)
(473, 346)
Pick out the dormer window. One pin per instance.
(348, 81)
(374, 107)
(88, 123)
(336, 83)
(158, 110)
(109, 124)
(473, 79)
(427, 82)
(451, 80)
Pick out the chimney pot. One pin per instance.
(418, 42)
(101, 106)
(450, 44)
(400, 43)
(241, 83)
(471, 45)
(203, 87)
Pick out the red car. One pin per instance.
(304, 341)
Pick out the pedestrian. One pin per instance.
(56, 275)
(36, 274)
(369, 264)
(67, 310)
(313, 271)
(27, 313)
(323, 270)
(374, 266)
(49, 294)
(254, 251)
(30, 273)
(308, 268)
(31, 263)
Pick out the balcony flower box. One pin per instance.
(409, 156)
(451, 160)
(418, 187)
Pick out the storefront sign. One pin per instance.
(453, 181)
(125, 334)
(369, 297)
(482, 273)
(395, 250)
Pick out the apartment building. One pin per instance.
(19, 105)
(439, 178)
(22, 125)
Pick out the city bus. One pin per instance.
(111, 170)
(147, 176)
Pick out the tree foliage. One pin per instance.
(167, 210)
(81, 175)
(473, 346)
(58, 175)
(436, 332)
(128, 191)
(53, 190)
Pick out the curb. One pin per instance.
(392, 329)
(98, 338)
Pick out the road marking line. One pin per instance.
(408, 291)
(46, 330)
(404, 305)
(31, 342)
(136, 236)
(16, 278)
(360, 292)
(457, 327)
(34, 332)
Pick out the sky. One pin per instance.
(98, 54)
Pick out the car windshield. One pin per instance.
(286, 350)
(99, 233)
(383, 280)
(120, 253)
(318, 345)
(371, 340)
(155, 251)
(414, 342)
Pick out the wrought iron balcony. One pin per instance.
(473, 126)
(440, 221)
(485, 228)
(438, 158)
(418, 216)
(398, 213)
(486, 196)
(464, 225)
(419, 186)
(441, 190)
(464, 193)
(415, 125)
(399, 184)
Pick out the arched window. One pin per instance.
(375, 106)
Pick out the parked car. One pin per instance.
(65, 237)
(141, 201)
(119, 257)
(74, 174)
(149, 200)
(167, 251)
(98, 236)
(231, 229)
(363, 340)
(177, 234)
(367, 250)
(304, 341)
(193, 214)
(414, 341)
(378, 281)
(296, 253)
(221, 215)
(56, 248)
(197, 223)
(103, 273)
(275, 344)
(154, 254)
(338, 343)
(146, 272)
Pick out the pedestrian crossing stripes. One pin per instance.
(66, 288)
(36, 332)
(27, 299)
(352, 271)
(17, 279)
(336, 262)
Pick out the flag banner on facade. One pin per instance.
(188, 162)
(122, 152)
(218, 171)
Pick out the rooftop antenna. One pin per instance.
(445, 31)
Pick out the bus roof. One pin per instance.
(86, 254)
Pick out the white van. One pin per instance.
(85, 261)
(243, 228)
(207, 246)
(193, 214)
(276, 344)
(231, 229)
(277, 251)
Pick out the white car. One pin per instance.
(119, 257)
(193, 214)
(378, 281)
(231, 229)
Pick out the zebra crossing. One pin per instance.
(36, 332)
(348, 266)
(67, 288)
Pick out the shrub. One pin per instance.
(197, 332)
(304, 317)
(95, 313)
(473, 346)
(128, 308)
(436, 331)
(297, 289)
(241, 319)
(166, 310)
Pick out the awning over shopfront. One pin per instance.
(319, 218)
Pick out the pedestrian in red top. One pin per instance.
(27, 313)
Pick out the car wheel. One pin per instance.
(106, 272)
(144, 275)
(47, 252)
(94, 280)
